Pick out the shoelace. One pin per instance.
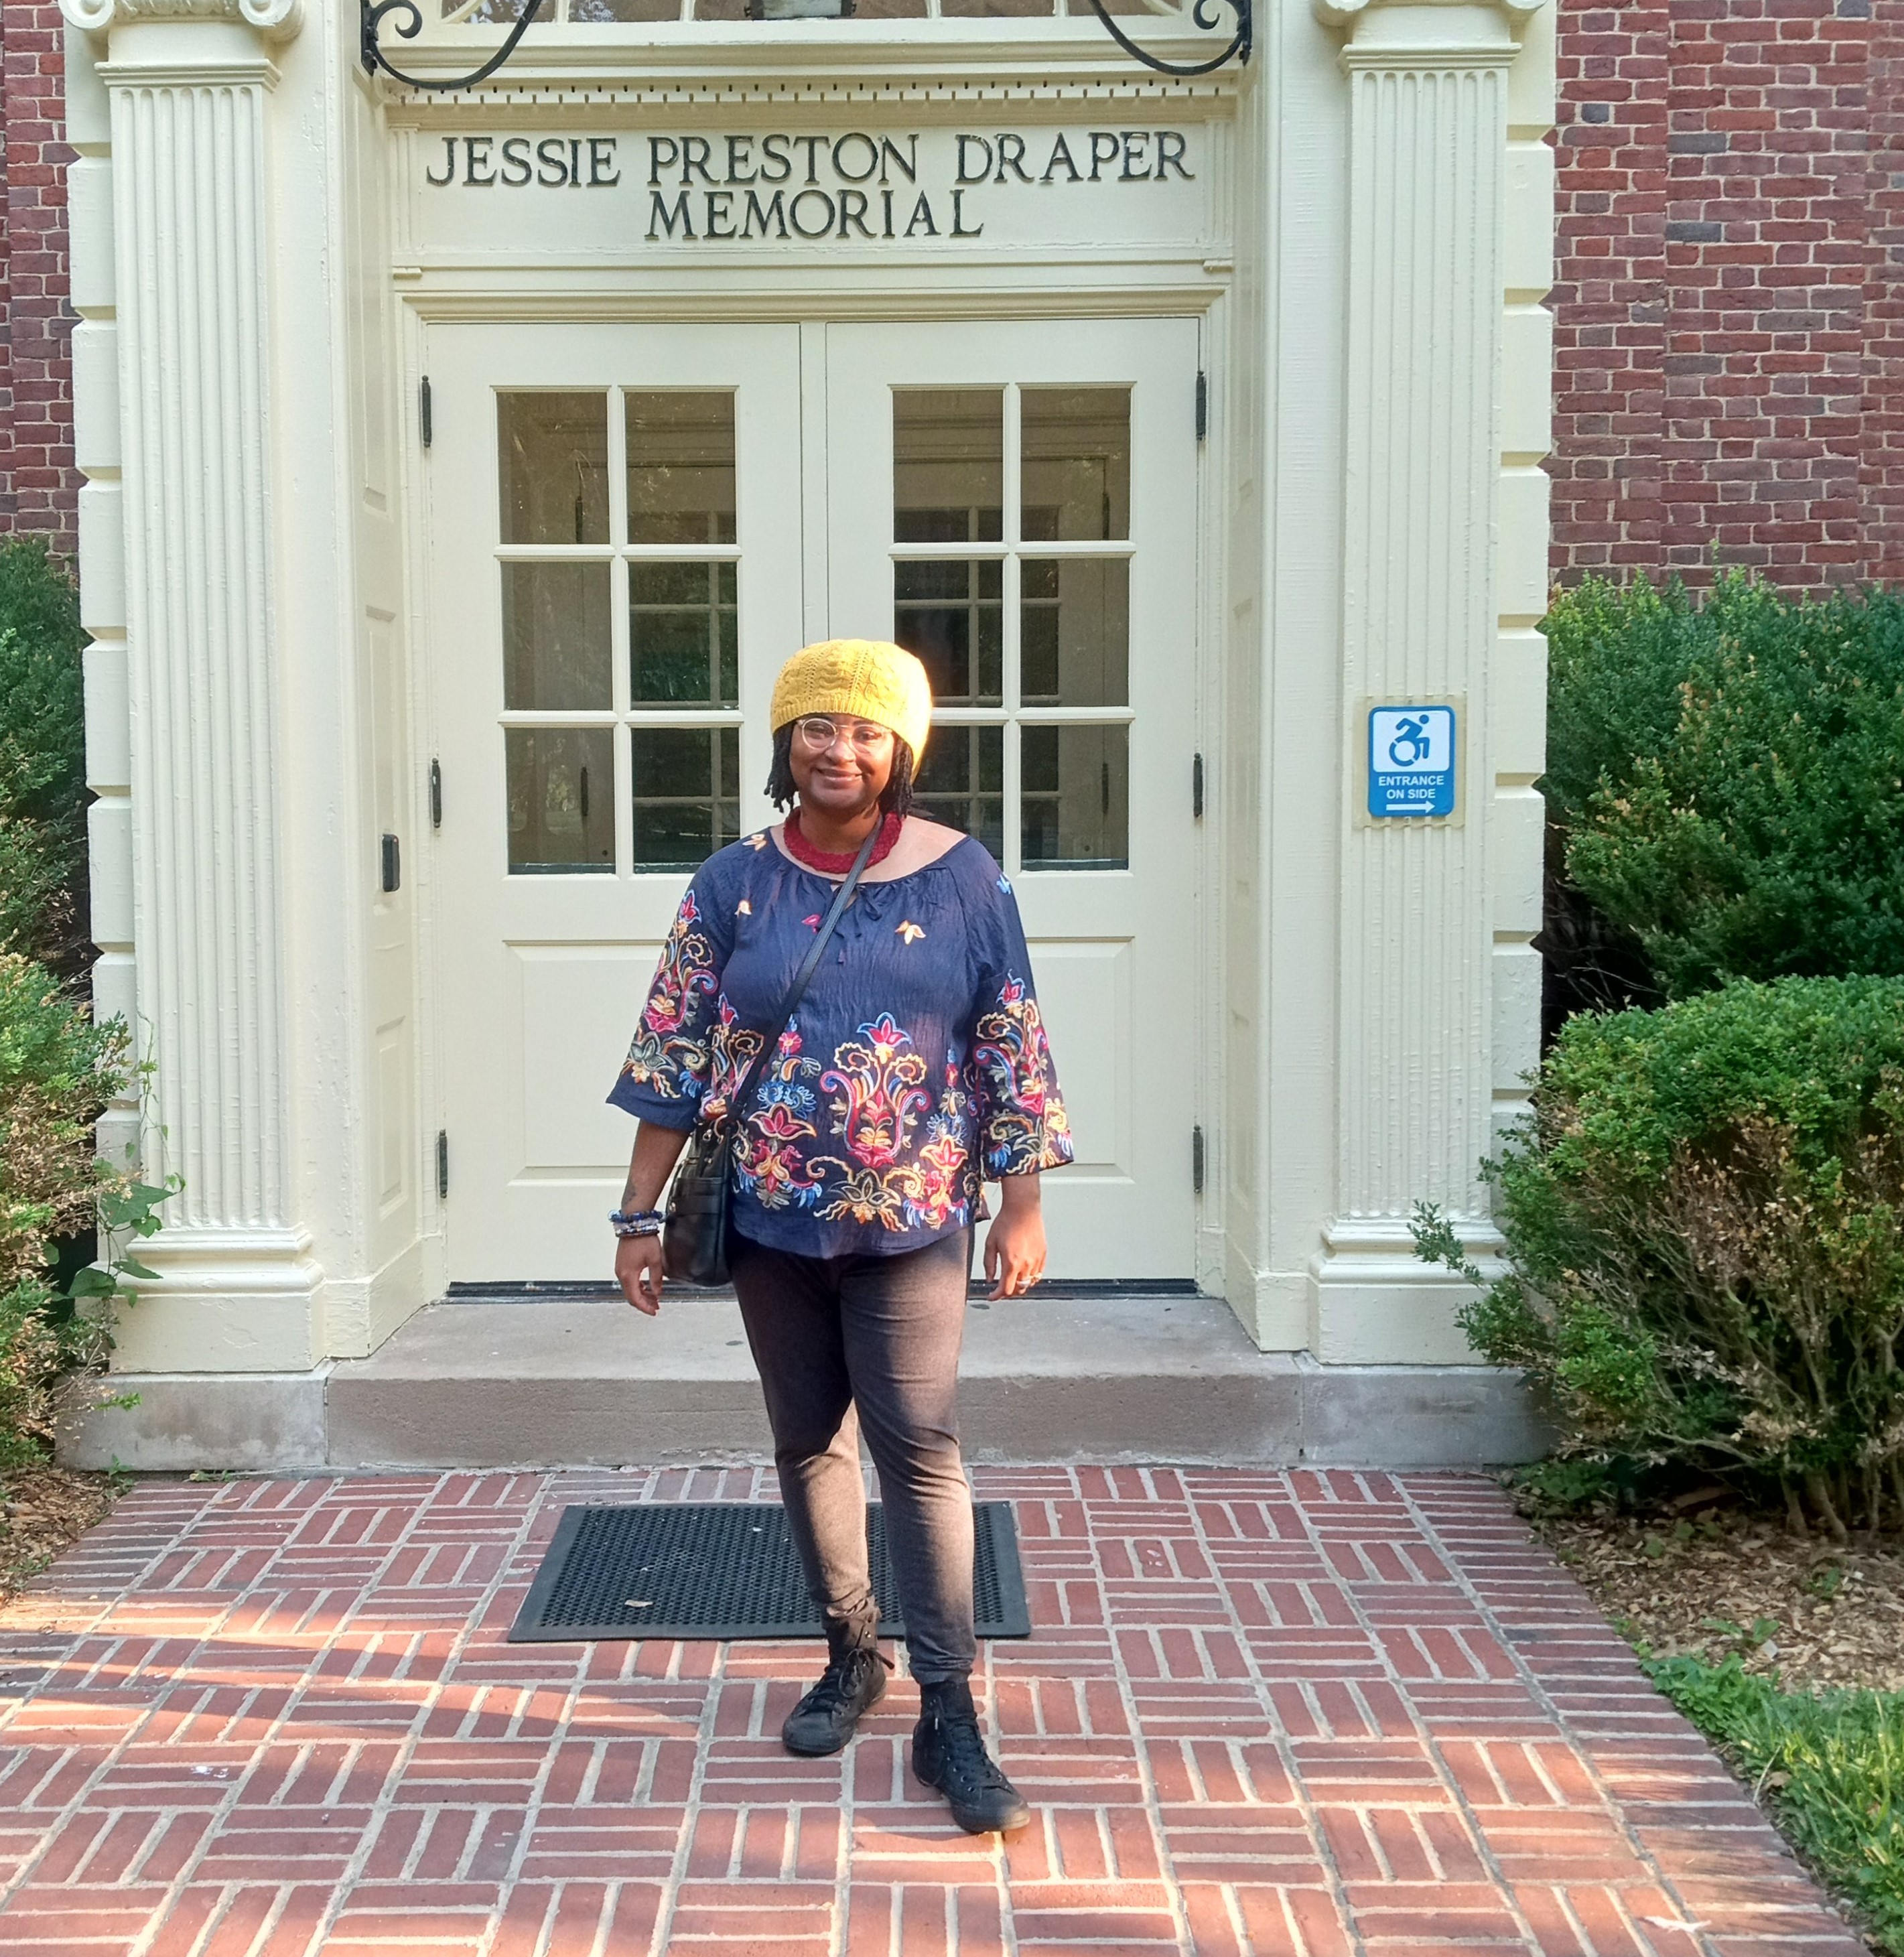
(966, 1756)
(840, 1680)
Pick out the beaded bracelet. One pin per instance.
(637, 1223)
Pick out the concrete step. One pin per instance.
(546, 1381)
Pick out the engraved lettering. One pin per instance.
(663, 153)
(720, 213)
(661, 214)
(449, 165)
(852, 210)
(1061, 153)
(1104, 150)
(769, 154)
(813, 149)
(740, 160)
(958, 217)
(758, 213)
(1137, 163)
(1171, 145)
(475, 152)
(825, 225)
(839, 169)
(695, 152)
(515, 170)
(1011, 157)
(967, 174)
(601, 156)
(922, 212)
(889, 157)
(545, 162)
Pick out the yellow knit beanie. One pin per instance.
(868, 677)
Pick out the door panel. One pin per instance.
(615, 578)
(1017, 503)
(617, 517)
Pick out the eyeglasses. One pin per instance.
(817, 734)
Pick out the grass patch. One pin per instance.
(1832, 1764)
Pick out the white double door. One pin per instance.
(629, 528)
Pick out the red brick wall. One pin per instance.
(38, 483)
(1729, 318)
(1728, 343)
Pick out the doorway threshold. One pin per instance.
(528, 1290)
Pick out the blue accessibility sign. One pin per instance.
(1411, 761)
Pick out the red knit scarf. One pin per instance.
(827, 861)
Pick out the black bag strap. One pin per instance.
(797, 989)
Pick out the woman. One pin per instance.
(914, 1069)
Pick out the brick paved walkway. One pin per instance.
(1265, 1715)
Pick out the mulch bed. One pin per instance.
(41, 1511)
(1707, 1580)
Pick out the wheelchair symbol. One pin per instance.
(1411, 744)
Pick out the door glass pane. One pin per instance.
(1074, 631)
(1075, 445)
(562, 799)
(948, 464)
(962, 780)
(1075, 812)
(950, 613)
(553, 459)
(687, 794)
(681, 468)
(684, 637)
(556, 652)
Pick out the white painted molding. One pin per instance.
(1427, 26)
(192, 301)
(274, 19)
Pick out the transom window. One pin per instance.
(583, 13)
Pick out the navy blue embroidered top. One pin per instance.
(915, 1069)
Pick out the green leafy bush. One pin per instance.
(57, 1072)
(1704, 1218)
(1729, 775)
(42, 758)
(1833, 1765)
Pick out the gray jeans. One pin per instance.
(845, 1345)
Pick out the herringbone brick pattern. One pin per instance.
(1265, 1714)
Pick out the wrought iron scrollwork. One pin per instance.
(1205, 15)
(409, 24)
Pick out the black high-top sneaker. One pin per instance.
(853, 1682)
(949, 1753)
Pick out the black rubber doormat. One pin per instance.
(727, 1569)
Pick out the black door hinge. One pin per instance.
(1196, 1160)
(1203, 403)
(1196, 787)
(393, 864)
(442, 1163)
(436, 795)
(428, 420)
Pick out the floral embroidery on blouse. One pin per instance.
(853, 1138)
(668, 1056)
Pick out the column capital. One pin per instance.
(274, 20)
(1442, 32)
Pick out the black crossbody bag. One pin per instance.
(694, 1240)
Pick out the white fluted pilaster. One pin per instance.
(1428, 147)
(188, 83)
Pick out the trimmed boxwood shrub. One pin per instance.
(1704, 1218)
(1728, 776)
(42, 760)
